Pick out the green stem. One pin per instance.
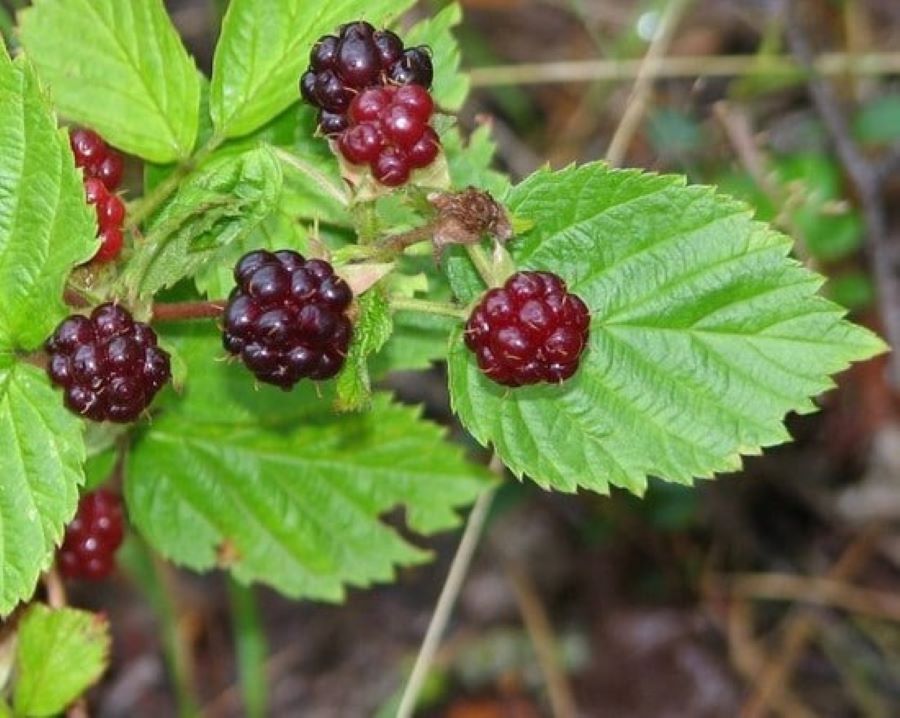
(321, 180)
(149, 203)
(251, 648)
(482, 261)
(424, 306)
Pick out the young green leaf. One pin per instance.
(46, 228)
(60, 654)
(451, 87)
(705, 334)
(263, 49)
(470, 162)
(119, 67)
(219, 205)
(41, 457)
(372, 330)
(281, 490)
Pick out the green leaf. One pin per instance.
(119, 67)
(61, 653)
(41, 457)
(46, 228)
(705, 334)
(450, 87)
(470, 162)
(221, 204)
(372, 330)
(263, 49)
(282, 490)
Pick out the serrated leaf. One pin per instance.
(282, 490)
(263, 49)
(119, 67)
(370, 333)
(221, 204)
(471, 162)
(61, 653)
(450, 86)
(41, 457)
(46, 227)
(705, 334)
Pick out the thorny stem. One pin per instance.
(149, 203)
(395, 244)
(423, 306)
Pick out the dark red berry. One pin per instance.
(96, 158)
(531, 330)
(368, 105)
(287, 318)
(92, 538)
(425, 151)
(361, 144)
(108, 365)
(392, 167)
(111, 212)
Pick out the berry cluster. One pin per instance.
(286, 318)
(372, 95)
(102, 167)
(531, 330)
(108, 365)
(89, 548)
(389, 131)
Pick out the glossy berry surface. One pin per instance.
(110, 218)
(389, 131)
(108, 365)
(93, 537)
(359, 57)
(287, 318)
(530, 330)
(96, 158)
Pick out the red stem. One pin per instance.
(180, 311)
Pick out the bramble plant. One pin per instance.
(312, 214)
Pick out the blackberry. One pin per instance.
(287, 318)
(108, 365)
(359, 57)
(96, 158)
(531, 330)
(92, 538)
(389, 131)
(110, 217)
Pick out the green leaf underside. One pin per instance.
(263, 49)
(45, 226)
(119, 67)
(450, 86)
(60, 654)
(705, 334)
(41, 457)
(222, 204)
(284, 491)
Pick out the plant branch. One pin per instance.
(396, 243)
(337, 192)
(447, 600)
(424, 306)
(829, 64)
(181, 311)
(483, 264)
(867, 180)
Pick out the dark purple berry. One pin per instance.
(390, 47)
(287, 318)
(92, 538)
(108, 365)
(358, 62)
(332, 123)
(529, 331)
(324, 53)
(413, 68)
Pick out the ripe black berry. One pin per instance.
(287, 319)
(531, 330)
(89, 548)
(359, 57)
(108, 365)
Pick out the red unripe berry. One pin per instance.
(111, 241)
(402, 125)
(88, 147)
(426, 150)
(110, 170)
(361, 144)
(417, 99)
(530, 330)
(392, 167)
(111, 212)
(368, 105)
